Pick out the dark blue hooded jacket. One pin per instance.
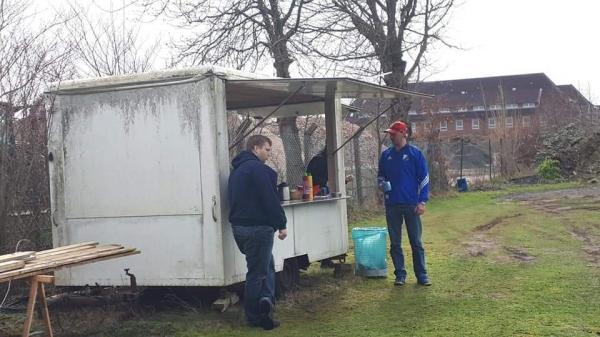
(252, 193)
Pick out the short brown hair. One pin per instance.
(257, 140)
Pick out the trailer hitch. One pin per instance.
(132, 280)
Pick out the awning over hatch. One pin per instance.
(262, 93)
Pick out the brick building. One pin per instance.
(479, 106)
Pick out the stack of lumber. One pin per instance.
(27, 264)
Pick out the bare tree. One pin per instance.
(390, 37)
(106, 44)
(242, 34)
(30, 58)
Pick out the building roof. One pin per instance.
(574, 95)
(486, 91)
(523, 91)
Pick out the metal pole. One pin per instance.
(462, 147)
(490, 152)
(501, 157)
(357, 170)
(363, 127)
(290, 96)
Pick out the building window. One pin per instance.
(462, 109)
(512, 106)
(413, 127)
(445, 111)
(475, 124)
(509, 122)
(444, 126)
(412, 112)
(459, 125)
(495, 107)
(491, 123)
(529, 105)
(526, 121)
(478, 108)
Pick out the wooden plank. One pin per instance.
(52, 266)
(60, 252)
(52, 269)
(22, 256)
(67, 257)
(11, 265)
(71, 254)
(61, 260)
(65, 252)
(63, 248)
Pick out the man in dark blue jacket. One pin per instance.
(403, 168)
(255, 215)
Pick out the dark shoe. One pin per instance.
(399, 281)
(265, 309)
(269, 324)
(424, 282)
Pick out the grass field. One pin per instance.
(499, 268)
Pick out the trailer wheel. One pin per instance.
(288, 278)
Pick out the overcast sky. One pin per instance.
(500, 37)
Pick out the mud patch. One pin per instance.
(480, 245)
(495, 222)
(519, 254)
(591, 247)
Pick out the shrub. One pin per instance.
(549, 169)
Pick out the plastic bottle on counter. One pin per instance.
(308, 187)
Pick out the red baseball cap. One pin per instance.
(397, 127)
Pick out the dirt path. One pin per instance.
(549, 202)
(592, 192)
(583, 198)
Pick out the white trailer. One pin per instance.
(143, 160)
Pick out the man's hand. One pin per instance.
(420, 209)
(282, 234)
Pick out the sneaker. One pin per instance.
(399, 281)
(269, 323)
(424, 282)
(265, 309)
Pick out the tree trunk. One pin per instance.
(294, 166)
(308, 142)
(288, 129)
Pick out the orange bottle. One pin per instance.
(308, 187)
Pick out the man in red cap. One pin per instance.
(404, 178)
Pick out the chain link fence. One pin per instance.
(24, 188)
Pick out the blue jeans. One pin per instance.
(395, 215)
(256, 242)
